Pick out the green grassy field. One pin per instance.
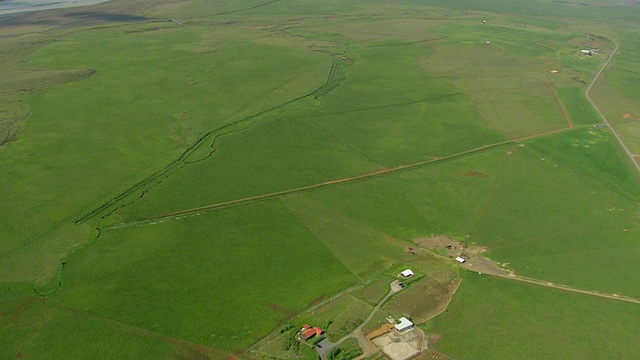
(578, 108)
(426, 117)
(38, 329)
(222, 280)
(499, 319)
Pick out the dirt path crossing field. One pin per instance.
(604, 119)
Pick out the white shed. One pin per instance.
(404, 324)
(407, 273)
(460, 259)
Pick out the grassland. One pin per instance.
(39, 329)
(499, 319)
(232, 273)
(418, 118)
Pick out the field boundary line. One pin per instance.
(181, 160)
(544, 283)
(345, 142)
(604, 119)
(347, 180)
(141, 331)
(568, 288)
(351, 179)
(561, 106)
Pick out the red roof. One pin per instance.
(311, 332)
(308, 334)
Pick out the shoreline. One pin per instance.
(18, 6)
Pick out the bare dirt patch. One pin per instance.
(484, 265)
(475, 174)
(432, 354)
(316, 301)
(380, 331)
(450, 248)
(290, 314)
(401, 345)
(433, 339)
(442, 244)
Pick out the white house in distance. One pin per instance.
(460, 259)
(407, 273)
(403, 324)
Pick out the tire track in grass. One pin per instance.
(181, 160)
(345, 142)
(561, 106)
(571, 289)
(204, 350)
(212, 207)
(383, 172)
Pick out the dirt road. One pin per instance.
(570, 289)
(604, 119)
(367, 347)
(488, 267)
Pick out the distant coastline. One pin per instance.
(17, 6)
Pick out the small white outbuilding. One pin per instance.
(407, 273)
(460, 259)
(403, 324)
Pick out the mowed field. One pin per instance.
(201, 187)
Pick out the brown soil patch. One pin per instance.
(442, 244)
(283, 310)
(475, 174)
(380, 331)
(432, 354)
(474, 250)
(484, 265)
(344, 58)
(317, 300)
(413, 250)
(630, 117)
(434, 338)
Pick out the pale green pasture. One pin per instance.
(511, 91)
(630, 131)
(503, 319)
(271, 155)
(223, 279)
(152, 95)
(570, 217)
(580, 111)
(39, 329)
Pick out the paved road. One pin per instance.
(606, 122)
